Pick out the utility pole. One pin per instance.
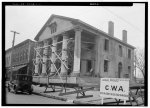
(13, 42)
(135, 66)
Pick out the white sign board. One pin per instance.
(114, 88)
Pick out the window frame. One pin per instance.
(89, 68)
(129, 54)
(120, 52)
(106, 44)
(53, 27)
(128, 69)
(106, 67)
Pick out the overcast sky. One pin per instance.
(28, 20)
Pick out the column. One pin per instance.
(97, 56)
(37, 61)
(53, 57)
(77, 52)
(45, 51)
(64, 55)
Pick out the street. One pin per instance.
(22, 98)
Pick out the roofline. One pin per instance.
(80, 23)
(50, 18)
(106, 34)
(27, 40)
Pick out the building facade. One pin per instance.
(22, 56)
(79, 49)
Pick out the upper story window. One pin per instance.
(6, 60)
(18, 56)
(21, 56)
(53, 27)
(129, 53)
(106, 45)
(26, 53)
(13, 58)
(120, 50)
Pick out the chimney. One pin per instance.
(111, 28)
(124, 36)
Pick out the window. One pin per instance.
(129, 53)
(21, 56)
(53, 30)
(53, 27)
(106, 63)
(26, 53)
(13, 60)
(119, 69)
(89, 65)
(129, 69)
(6, 60)
(106, 45)
(120, 50)
(14, 57)
(18, 56)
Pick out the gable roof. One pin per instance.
(49, 20)
(77, 21)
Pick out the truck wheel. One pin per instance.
(30, 92)
(8, 89)
(15, 89)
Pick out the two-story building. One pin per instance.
(76, 49)
(22, 56)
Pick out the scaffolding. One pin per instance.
(56, 64)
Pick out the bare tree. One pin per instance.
(140, 60)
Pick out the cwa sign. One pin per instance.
(114, 88)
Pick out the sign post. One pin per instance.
(114, 88)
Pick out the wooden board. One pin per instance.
(81, 81)
(88, 82)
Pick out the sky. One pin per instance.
(28, 20)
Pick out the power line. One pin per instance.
(135, 27)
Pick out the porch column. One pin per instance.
(37, 61)
(77, 52)
(97, 56)
(45, 51)
(64, 55)
(53, 57)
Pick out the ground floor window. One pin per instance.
(129, 70)
(89, 65)
(106, 65)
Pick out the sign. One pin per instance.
(114, 88)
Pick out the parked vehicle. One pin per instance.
(20, 82)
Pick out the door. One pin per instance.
(83, 67)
